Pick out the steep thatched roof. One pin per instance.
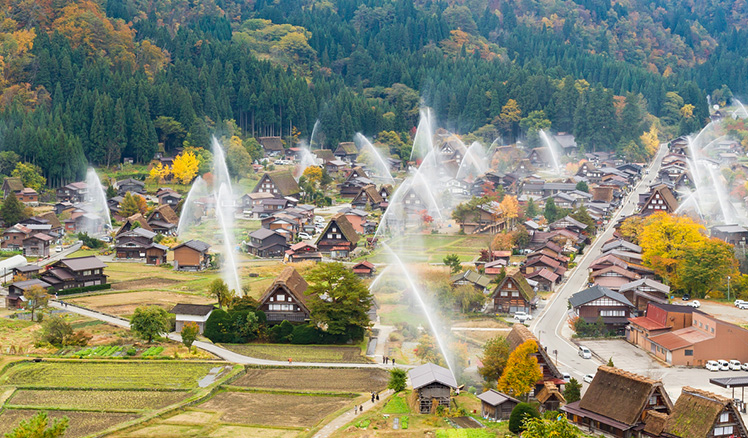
(51, 218)
(548, 391)
(520, 281)
(13, 183)
(519, 334)
(654, 422)
(291, 280)
(695, 413)
(166, 212)
(345, 227)
(130, 222)
(621, 395)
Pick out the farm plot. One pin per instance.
(81, 423)
(125, 303)
(109, 375)
(300, 353)
(281, 410)
(113, 401)
(316, 379)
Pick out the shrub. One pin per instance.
(517, 417)
(131, 351)
(305, 334)
(281, 332)
(398, 378)
(218, 327)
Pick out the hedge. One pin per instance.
(77, 290)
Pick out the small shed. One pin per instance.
(496, 406)
(198, 313)
(432, 387)
(364, 269)
(550, 397)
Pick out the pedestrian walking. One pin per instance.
(289, 360)
(355, 409)
(372, 397)
(361, 409)
(393, 361)
(377, 396)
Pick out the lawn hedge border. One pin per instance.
(77, 290)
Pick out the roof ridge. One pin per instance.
(706, 394)
(628, 374)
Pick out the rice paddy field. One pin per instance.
(300, 353)
(315, 379)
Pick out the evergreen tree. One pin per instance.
(12, 210)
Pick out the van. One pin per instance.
(723, 365)
(585, 352)
(735, 365)
(566, 377)
(712, 365)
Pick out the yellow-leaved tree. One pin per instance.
(650, 140)
(159, 172)
(664, 240)
(313, 174)
(510, 208)
(522, 371)
(185, 167)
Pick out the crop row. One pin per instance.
(152, 351)
(100, 351)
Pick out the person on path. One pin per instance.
(289, 360)
(393, 361)
(372, 397)
(355, 409)
(377, 396)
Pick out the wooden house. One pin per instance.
(163, 220)
(732, 234)
(280, 184)
(197, 313)
(28, 196)
(496, 406)
(14, 236)
(139, 244)
(644, 291)
(267, 243)
(545, 278)
(28, 271)
(542, 261)
(616, 403)
(191, 256)
(272, 146)
(284, 300)
(75, 272)
(432, 387)
(73, 193)
(37, 245)
(130, 185)
(549, 397)
(521, 334)
(12, 184)
(15, 298)
(303, 251)
(698, 413)
(364, 269)
(613, 277)
(338, 239)
(346, 151)
(660, 199)
(323, 155)
(168, 197)
(132, 222)
(512, 295)
(600, 302)
(471, 278)
(368, 196)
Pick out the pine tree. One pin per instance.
(13, 210)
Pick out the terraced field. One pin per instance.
(112, 401)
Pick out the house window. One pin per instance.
(515, 293)
(281, 297)
(504, 293)
(688, 353)
(724, 417)
(724, 430)
(653, 400)
(612, 313)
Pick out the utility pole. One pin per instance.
(728, 288)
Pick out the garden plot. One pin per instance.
(280, 410)
(113, 401)
(81, 423)
(316, 379)
(125, 303)
(300, 353)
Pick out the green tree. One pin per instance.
(170, 132)
(36, 297)
(452, 261)
(398, 378)
(583, 187)
(551, 212)
(495, 356)
(189, 333)
(557, 428)
(8, 161)
(428, 351)
(219, 327)
(535, 122)
(38, 427)
(583, 216)
(238, 159)
(149, 322)
(522, 237)
(338, 300)
(31, 175)
(220, 291)
(610, 362)
(111, 192)
(705, 266)
(13, 210)
(56, 331)
(129, 205)
(572, 391)
(519, 416)
(531, 210)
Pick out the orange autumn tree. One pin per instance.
(522, 371)
(510, 208)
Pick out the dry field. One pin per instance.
(316, 379)
(281, 410)
(81, 423)
(300, 353)
(124, 303)
(117, 401)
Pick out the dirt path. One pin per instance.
(349, 416)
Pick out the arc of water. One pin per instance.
(474, 158)
(382, 167)
(422, 303)
(313, 138)
(199, 188)
(224, 197)
(742, 108)
(551, 149)
(721, 196)
(97, 200)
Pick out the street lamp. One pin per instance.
(728, 288)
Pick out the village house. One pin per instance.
(600, 302)
(364, 269)
(496, 406)
(130, 185)
(432, 387)
(250, 200)
(280, 183)
(658, 318)
(73, 193)
(284, 300)
(613, 277)
(346, 151)
(333, 167)
(28, 271)
(197, 313)
(644, 291)
(471, 278)
(495, 267)
(338, 239)
(272, 146)
(356, 217)
(167, 196)
(545, 278)
(660, 199)
(732, 234)
(13, 237)
(513, 295)
(15, 299)
(616, 403)
(368, 196)
(163, 220)
(549, 397)
(354, 182)
(521, 334)
(323, 155)
(267, 243)
(37, 245)
(139, 244)
(543, 262)
(12, 185)
(28, 196)
(191, 256)
(75, 272)
(303, 251)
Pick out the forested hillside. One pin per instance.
(93, 82)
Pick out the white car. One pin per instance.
(566, 377)
(739, 302)
(304, 236)
(694, 303)
(522, 316)
(319, 220)
(744, 367)
(712, 365)
(58, 249)
(588, 378)
(723, 365)
(743, 306)
(735, 365)
(585, 352)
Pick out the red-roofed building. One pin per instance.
(303, 251)
(364, 269)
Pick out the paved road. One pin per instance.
(551, 326)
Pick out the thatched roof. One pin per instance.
(291, 280)
(324, 154)
(695, 413)
(344, 226)
(271, 144)
(51, 218)
(13, 183)
(166, 212)
(520, 282)
(347, 148)
(371, 191)
(519, 334)
(548, 391)
(654, 422)
(621, 395)
(130, 222)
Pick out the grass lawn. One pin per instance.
(106, 375)
(300, 353)
(397, 405)
(466, 433)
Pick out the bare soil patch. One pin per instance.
(316, 379)
(81, 423)
(273, 409)
(144, 283)
(125, 303)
